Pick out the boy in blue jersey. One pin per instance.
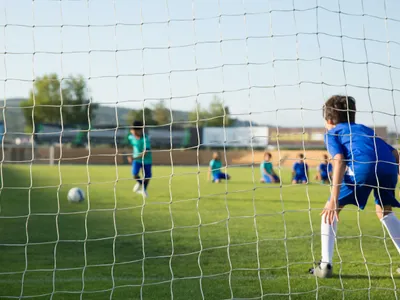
(215, 169)
(141, 159)
(362, 163)
(300, 170)
(267, 170)
(324, 171)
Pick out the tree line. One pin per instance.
(66, 101)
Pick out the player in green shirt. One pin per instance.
(268, 174)
(215, 169)
(141, 158)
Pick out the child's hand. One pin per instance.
(130, 159)
(330, 212)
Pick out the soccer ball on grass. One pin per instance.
(76, 195)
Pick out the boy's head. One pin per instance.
(300, 156)
(325, 158)
(339, 109)
(267, 156)
(137, 129)
(216, 155)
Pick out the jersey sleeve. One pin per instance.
(211, 164)
(333, 144)
(131, 140)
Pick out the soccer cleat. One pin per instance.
(322, 272)
(136, 187)
(143, 193)
(398, 270)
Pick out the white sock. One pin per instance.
(392, 225)
(328, 234)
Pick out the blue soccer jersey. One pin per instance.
(300, 169)
(365, 154)
(371, 165)
(325, 169)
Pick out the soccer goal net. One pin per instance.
(160, 113)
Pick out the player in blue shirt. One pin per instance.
(141, 159)
(324, 171)
(300, 170)
(362, 163)
(215, 169)
(268, 174)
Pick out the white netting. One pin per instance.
(227, 75)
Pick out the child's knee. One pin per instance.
(381, 212)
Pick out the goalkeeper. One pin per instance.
(142, 158)
(362, 163)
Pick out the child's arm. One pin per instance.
(396, 157)
(209, 173)
(330, 210)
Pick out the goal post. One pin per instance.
(227, 91)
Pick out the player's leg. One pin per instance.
(266, 178)
(136, 166)
(348, 195)
(276, 178)
(147, 174)
(384, 200)
(295, 179)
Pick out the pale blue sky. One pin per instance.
(183, 58)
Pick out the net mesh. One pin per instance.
(75, 73)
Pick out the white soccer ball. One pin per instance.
(76, 195)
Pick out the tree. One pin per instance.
(161, 113)
(199, 115)
(78, 108)
(50, 99)
(137, 115)
(217, 115)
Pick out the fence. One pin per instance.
(112, 156)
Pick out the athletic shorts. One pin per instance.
(357, 194)
(138, 165)
(267, 179)
(300, 178)
(324, 176)
(220, 176)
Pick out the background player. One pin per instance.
(300, 170)
(324, 171)
(215, 169)
(142, 158)
(267, 170)
(362, 162)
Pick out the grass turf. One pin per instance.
(201, 240)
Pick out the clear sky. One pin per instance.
(268, 62)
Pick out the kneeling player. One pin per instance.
(267, 170)
(362, 163)
(300, 170)
(324, 171)
(215, 169)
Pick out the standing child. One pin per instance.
(142, 158)
(267, 170)
(362, 163)
(215, 169)
(300, 170)
(324, 171)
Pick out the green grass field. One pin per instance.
(189, 240)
